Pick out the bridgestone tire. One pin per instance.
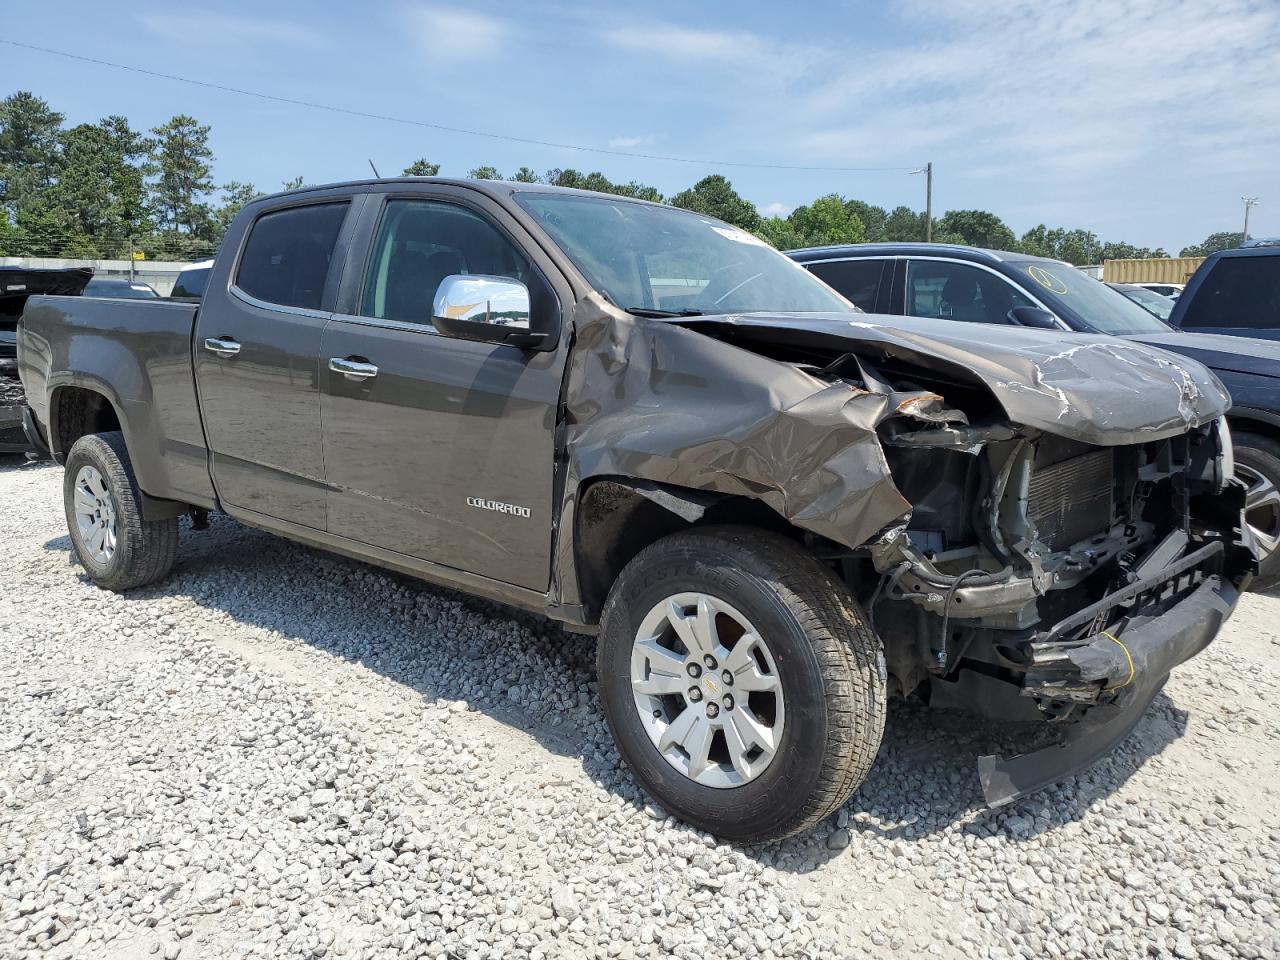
(1261, 455)
(830, 664)
(145, 549)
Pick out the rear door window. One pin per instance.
(287, 256)
(858, 280)
(1240, 292)
(959, 291)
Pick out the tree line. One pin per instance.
(100, 190)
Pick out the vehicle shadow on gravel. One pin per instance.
(530, 674)
(10, 462)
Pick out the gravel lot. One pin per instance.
(277, 753)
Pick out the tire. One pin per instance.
(1258, 464)
(828, 665)
(143, 550)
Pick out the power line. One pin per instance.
(311, 104)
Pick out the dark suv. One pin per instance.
(994, 287)
(1236, 292)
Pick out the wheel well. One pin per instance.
(78, 412)
(616, 519)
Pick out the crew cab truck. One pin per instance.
(774, 510)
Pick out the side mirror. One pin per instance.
(1034, 317)
(489, 309)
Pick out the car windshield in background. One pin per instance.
(1063, 287)
(649, 258)
(1149, 300)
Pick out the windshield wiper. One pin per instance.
(662, 314)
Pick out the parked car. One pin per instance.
(1154, 303)
(1234, 292)
(986, 286)
(191, 281)
(647, 424)
(16, 285)
(120, 287)
(1171, 290)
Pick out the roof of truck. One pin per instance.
(492, 187)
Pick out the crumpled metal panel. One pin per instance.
(1092, 388)
(657, 400)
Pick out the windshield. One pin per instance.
(1062, 287)
(650, 258)
(1149, 300)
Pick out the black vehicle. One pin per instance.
(1234, 292)
(191, 281)
(16, 285)
(649, 425)
(1158, 305)
(988, 286)
(120, 288)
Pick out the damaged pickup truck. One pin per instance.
(775, 511)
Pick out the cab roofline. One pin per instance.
(496, 188)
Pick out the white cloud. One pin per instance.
(776, 209)
(452, 33)
(208, 28)
(628, 143)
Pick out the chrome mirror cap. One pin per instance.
(498, 301)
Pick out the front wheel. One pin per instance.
(740, 682)
(117, 547)
(1258, 465)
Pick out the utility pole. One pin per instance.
(927, 170)
(1248, 202)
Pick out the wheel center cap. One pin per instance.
(709, 685)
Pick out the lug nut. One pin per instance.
(695, 671)
(728, 701)
(712, 711)
(727, 677)
(695, 694)
(710, 661)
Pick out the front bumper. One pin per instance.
(1115, 671)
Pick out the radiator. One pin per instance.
(1072, 500)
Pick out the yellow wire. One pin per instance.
(1126, 656)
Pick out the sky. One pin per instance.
(1144, 121)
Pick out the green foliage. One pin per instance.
(874, 220)
(525, 175)
(976, 228)
(421, 168)
(485, 173)
(827, 220)
(235, 196)
(715, 197)
(903, 225)
(29, 147)
(182, 176)
(1212, 244)
(294, 183)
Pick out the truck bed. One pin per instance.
(137, 353)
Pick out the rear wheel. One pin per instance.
(1258, 465)
(740, 682)
(117, 547)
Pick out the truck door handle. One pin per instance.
(353, 369)
(222, 346)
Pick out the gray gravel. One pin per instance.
(277, 753)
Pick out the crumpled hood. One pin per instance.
(1093, 388)
(1220, 351)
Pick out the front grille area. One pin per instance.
(1072, 500)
